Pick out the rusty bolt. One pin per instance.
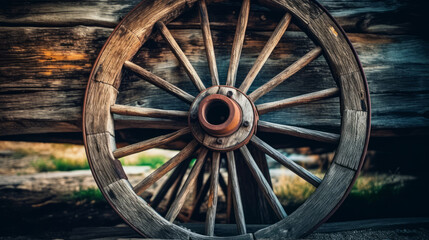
(246, 123)
(229, 94)
(219, 141)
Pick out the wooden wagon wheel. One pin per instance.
(224, 119)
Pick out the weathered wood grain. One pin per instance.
(208, 42)
(383, 16)
(285, 74)
(293, 101)
(213, 195)
(266, 52)
(99, 119)
(147, 112)
(298, 132)
(353, 129)
(236, 196)
(175, 48)
(106, 167)
(159, 82)
(237, 45)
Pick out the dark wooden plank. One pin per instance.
(228, 229)
(63, 92)
(354, 16)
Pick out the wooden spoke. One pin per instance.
(186, 188)
(282, 159)
(208, 42)
(212, 202)
(266, 52)
(178, 173)
(159, 82)
(301, 99)
(166, 167)
(264, 126)
(150, 143)
(237, 45)
(122, 123)
(263, 183)
(180, 55)
(223, 185)
(176, 188)
(147, 112)
(200, 198)
(238, 207)
(285, 74)
(229, 201)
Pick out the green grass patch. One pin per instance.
(59, 164)
(151, 161)
(89, 195)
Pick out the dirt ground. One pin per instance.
(37, 205)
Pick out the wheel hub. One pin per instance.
(222, 118)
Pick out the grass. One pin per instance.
(59, 164)
(88, 195)
(292, 190)
(372, 195)
(151, 161)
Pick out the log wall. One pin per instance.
(48, 49)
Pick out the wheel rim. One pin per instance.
(99, 125)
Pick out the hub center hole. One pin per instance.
(217, 112)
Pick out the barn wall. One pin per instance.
(48, 49)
